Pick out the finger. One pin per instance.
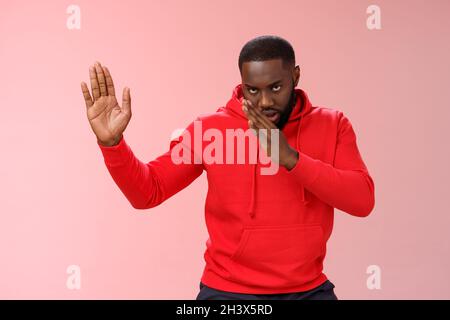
(86, 95)
(126, 100)
(109, 82)
(254, 121)
(262, 130)
(252, 125)
(254, 129)
(249, 114)
(257, 119)
(244, 107)
(94, 83)
(251, 110)
(247, 109)
(101, 79)
(261, 116)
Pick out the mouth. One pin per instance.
(272, 115)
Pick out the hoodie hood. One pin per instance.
(301, 108)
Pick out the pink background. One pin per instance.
(59, 206)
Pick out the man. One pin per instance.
(268, 232)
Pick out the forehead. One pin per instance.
(260, 73)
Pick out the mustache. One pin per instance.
(270, 111)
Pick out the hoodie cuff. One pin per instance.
(306, 170)
(116, 155)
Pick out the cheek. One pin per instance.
(283, 102)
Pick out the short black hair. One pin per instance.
(267, 47)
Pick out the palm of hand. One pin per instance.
(107, 119)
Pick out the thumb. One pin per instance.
(126, 100)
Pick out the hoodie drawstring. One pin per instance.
(302, 189)
(251, 209)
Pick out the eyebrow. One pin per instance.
(250, 86)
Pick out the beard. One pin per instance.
(284, 116)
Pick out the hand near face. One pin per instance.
(107, 119)
(288, 157)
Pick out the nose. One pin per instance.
(265, 101)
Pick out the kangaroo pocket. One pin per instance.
(278, 256)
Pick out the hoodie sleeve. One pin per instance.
(345, 185)
(147, 185)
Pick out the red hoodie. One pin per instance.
(267, 233)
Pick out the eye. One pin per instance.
(250, 90)
(278, 86)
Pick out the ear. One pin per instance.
(296, 75)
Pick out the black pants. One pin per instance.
(323, 292)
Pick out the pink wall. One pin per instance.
(59, 206)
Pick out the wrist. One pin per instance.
(110, 143)
(292, 159)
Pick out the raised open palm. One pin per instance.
(107, 119)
